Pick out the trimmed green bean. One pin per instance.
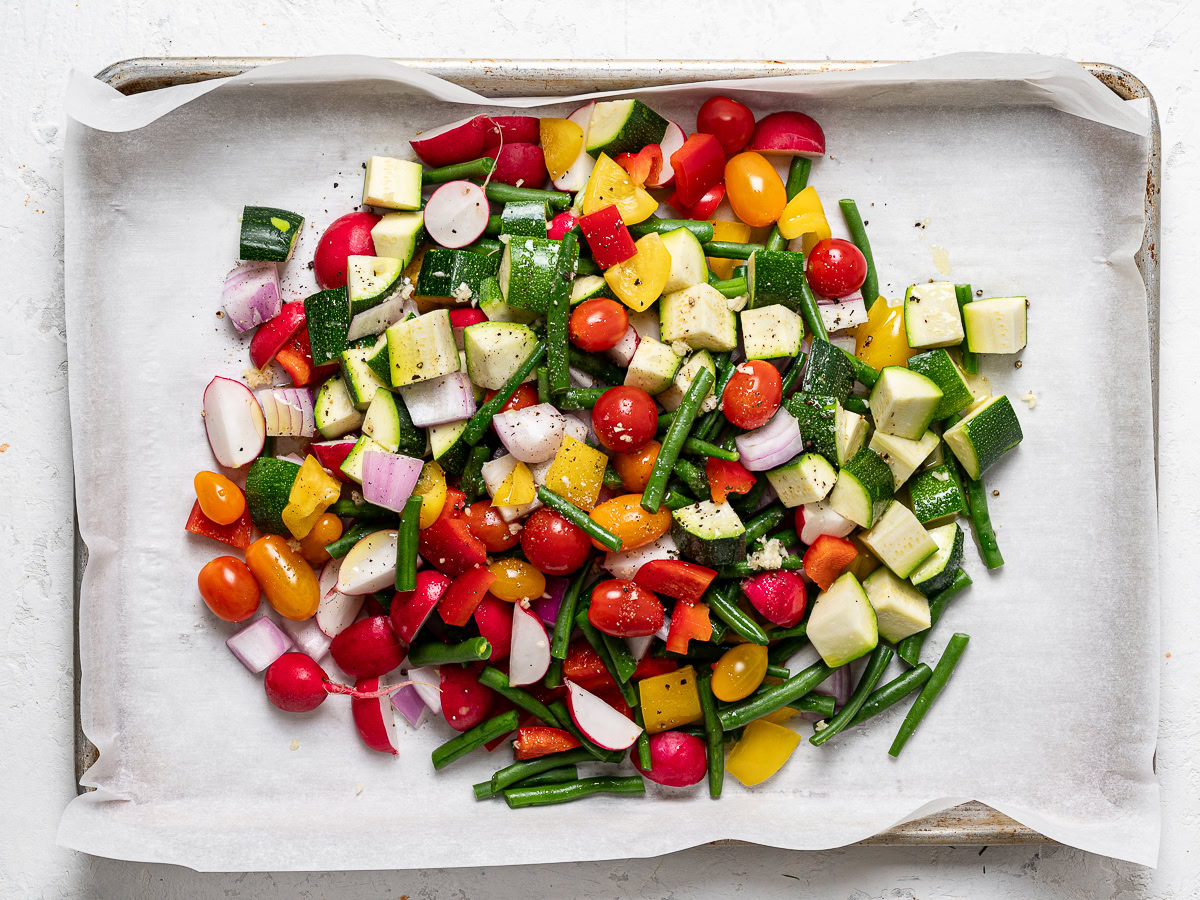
(578, 518)
(359, 530)
(858, 235)
(722, 600)
(600, 645)
(496, 680)
(406, 544)
(435, 653)
(704, 448)
(463, 171)
(566, 723)
(929, 693)
(693, 476)
(732, 287)
(472, 477)
(800, 629)
(797, 181)
(981, 523)
(702, 230)
(549, 794)
(811, 312)
(543, 385)
(460, 746)
(495, 224)
(587, 266)
(645, 761)
(675, 500)
(578, 398)
(857, 405)
(775, 671)
(863, 374)
(776, 697)
(745, 570)
(566, 614)
(553, 677)
(785, 649)
(793, 374)
(764, 522)
(506, 193)
(596, 366)
(714, 735)
(821, 704)
(712, 420)
(909, 649)
(485, 247)
(558, 315)
(970, 359)
(892, 693)
(624, 665)
(478, 423)
(527, 768)
(881, 656)
(483, 790)
(729, 249)
(677, 434)
(364, 510)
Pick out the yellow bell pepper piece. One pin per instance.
(313, 492)
(562, 140)
(577, 473)
(670, 700)
(731, 232)
(763, 749)
(517, 489)
(609, 185)
(881, 340)
(780, 715)
(431, 487)
(804, 215)
(640, 280)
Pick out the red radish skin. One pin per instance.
(456, 214)
(331, 455)
(465, 702)
(449, 144)
(561, 224)
(499, 130)
(530, 648)
(622, 353)
(347, 236)
(780, 597)
(273, 336)
(676, 759)
(373, 717)
(788, 134)
(411, 609)
(494, 618)
(295, 683)
(368, 648)
(521, 165)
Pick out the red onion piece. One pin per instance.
(308, 637)
(410, 705)
(436, 401)
(251, 294)
(426, 681)
(259, 644)
(771, 445)
(546, 606)
(288, 412)
(836, 686)
(389, 478)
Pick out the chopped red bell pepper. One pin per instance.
(583, 665)
(613, 697)
(688, 621)
(699, 164)
(542, 740)
(725, 478)
(704, 207)
(236, 534)
(606, 235)
(272, 336)
(643, 166)
(651, 666)
(685, 581)
(464, 594)
(827, 558)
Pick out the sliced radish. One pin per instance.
(308, 637)
(234, 422)
(599, 722)
(336, 610)
(576, 176)
(457, 213)
(529, 656)
(623, 352)
(373, 717)
(426, 680)
(672, 140)
(331, 454)
(370, 565)
(454, 143)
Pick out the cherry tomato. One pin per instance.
(553, 544)
(836, 268)
(625, 419)
(755, 189)
(625, 518)
(753, 394)
(635, 468)
(327, 529)
(524, 396)
(516, 580)
(598, 324)
(486, 524)
(623, 608)
(288, 581)
(739, 672)
(731, 122)
(220, 499)
(347, 236)
(229, 589)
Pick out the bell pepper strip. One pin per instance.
(797, 181)
(804, 216)
(517, 489)
(236, 534)
(699, 165)
(763, 749)
(464, 594)
(670, 700)
(702, 208)
(584, 666)
(643, 166)
(608, 237)
(686, 581)
(296, 359)
(688, 621)
(827, 558)
(726, 477)
(540, 740)
(732, 233)
(271, 337)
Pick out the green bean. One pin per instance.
(970, 359)
(549, 794)
(359, 530)
(472, 477)
(981, 522)
(793, 374)
(559, 313)
(597, 640)
(811, 312)
(435, 653)
(779, 672)
(612, 480)
(722, 600)
(703, 231)
(892, 693)
(712, 420)
(745, 570)
(623, 662)
(674, 500)
(553, 677)
(460, 746)
(579, 398)
(714, 735)
(498, 682)
(566, 614)
(485, 247)
(475, 168)
(821, 704)
(775, 697)
(704, 448)
(857, 405)
(764, 522)
(729, 249)
(858, 235)
(929, 693)
(664, 421)
(519, 771)
(587, 266)
(406, 544)
(720, 628)
(363, 510)
(566, 723)
(677, 434)
(596, 366)
(785, 649)
(786, 536)
(693, 476)
(504, 193)
(579, 518)
(881, 656)
(909, 649)
(797, 180)
(478, 423)
(732, 287)
(645, 761)
(483, 790)
(495, 224)
(800, 629)
(748, 502)
(863, 374)
(543, 385)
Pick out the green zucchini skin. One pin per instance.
(942, 580)
(442, 271)
(641, 126)
(817, 415)
(268, 487)
(533, 267)
(776, 276)
(526, 218)
(412, 438)
(714, 551)
(327, 316)
(988, 433)
(269, 234)
(937, 495)
(938, 367)
(827, 372)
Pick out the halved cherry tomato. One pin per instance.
(486, 523)
(623, 608)
(228, 587)
(836, 268)
(676, 578)
(516, 580)
(625, 518)
(326, 530)
(731, 122)
(625, 418)
(756, 191)
(635, 468)
(598, 324)
(753, 394)
(553, 544)
(702, 208)
(727, 477)
(220, 499)
(699, 164)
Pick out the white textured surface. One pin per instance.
(35, 665)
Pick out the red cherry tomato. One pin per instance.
(753, 394)
(348, 236)
(598, 324)
(730, 122)
(553, 544)
(484, 521)
(229, 588)
(625, 419)
(624, 608)
(525, 395)
(836, 268)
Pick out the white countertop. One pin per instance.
(42, 40)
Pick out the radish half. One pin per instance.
(336, 610)
(529, 656)
(457, 213)
(374, 718)
(599, 722)
(454, 143)
(234, 422)
(672, 140)
(576, 176)
(370, 565)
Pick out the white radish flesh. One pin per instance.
(370, 565)
(427, 682)
(599, 722)
(529, 657)
(457, 213)
(234, 422)
(672, 140)
(336, 611)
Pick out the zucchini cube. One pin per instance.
(769, 332)
(903, 402)
(392, 183)
(931, 316)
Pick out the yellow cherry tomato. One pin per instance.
(804, 215)
(220, 499)
(881, 340)
(640, 280)
(609, 185)
(754, 189)
(516, 580)
(739, 672)
(288, 581)
(732, 233)
(625, 518)
(762, 750)
(328, 528)
(562, 140)
(431, 486)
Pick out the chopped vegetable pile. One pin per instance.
(578, 479)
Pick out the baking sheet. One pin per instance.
(947, 144)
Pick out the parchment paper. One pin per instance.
(1021, 175)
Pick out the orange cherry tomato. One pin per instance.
(625, 518)
(516, 580)
(229, 589)
(328, 528)
(755, 189)
(288, 581)
(220, 499)
(635, 468)
(486, 524)
(739, 672)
